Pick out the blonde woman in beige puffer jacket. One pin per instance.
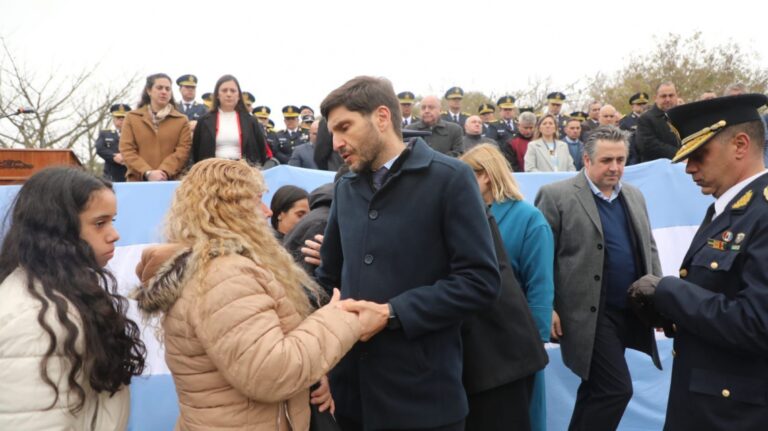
(240, 336)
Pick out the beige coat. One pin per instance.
(145, 149)
(241, 356)
(537, 158)
(24, 397)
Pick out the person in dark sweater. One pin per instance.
(603, 239)
(312, 224)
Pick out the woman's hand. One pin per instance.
(321, 397)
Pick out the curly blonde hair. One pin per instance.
(487, 158)
(216, 211)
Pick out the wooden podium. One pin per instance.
(16, 165)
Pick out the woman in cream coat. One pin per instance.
(546, 153)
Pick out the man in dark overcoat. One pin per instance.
(407, 236)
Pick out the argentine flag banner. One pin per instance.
(675, 205)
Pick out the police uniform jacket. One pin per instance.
(286, 142)
(448, 117)
(107, 145)
(422, 244)
(654, 137)
(489, 131)
(445, 138)
(254, 145)
(503, 131)
(720, 308)
(629, 122)
(195, 111)
(569, 207)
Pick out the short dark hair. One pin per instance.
(364, 94)
(605, 133)
(754, 129)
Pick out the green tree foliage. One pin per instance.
(692, 65)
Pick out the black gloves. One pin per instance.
(640, 295)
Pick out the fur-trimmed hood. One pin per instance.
(161, 272)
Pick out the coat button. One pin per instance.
(683, 273)
(726, 393)
(599, 246)
(373, 214)
(713, 265)
(674, 353)
(368, 259)
(593, 309)
(597, 278)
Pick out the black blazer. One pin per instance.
(501, 344)
(654, 138)
(204, 139)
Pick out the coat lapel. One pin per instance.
(587, 200)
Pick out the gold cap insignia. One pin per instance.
(693, 142)
(765, 193)
(743, 200)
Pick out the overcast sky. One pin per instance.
(296, 52)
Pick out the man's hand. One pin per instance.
(321, 397)
(556, 332)
(640, 295)
(373, 317)
(118, 158)
(312, 250)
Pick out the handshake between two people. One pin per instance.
(373, 317)
(641, 296)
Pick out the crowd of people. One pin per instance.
(231, 127)
(415, 292)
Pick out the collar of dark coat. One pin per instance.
(420, 157)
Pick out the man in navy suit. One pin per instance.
(719, 304)
(407, 236)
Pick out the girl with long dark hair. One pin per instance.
(67, 349)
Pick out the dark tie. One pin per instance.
(707, 219)
(456, 118)
(186, 108)
(379, 177)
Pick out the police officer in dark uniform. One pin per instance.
(248, 100)
(638, 101)
(187, 104)
(505, 126)
(554, 105)
(304, 126)
(107, 145)
(454, 96)
(486, 111)
(288, 138)
(406, 99)
(262, 115)
(719, 304)
(207, 100)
